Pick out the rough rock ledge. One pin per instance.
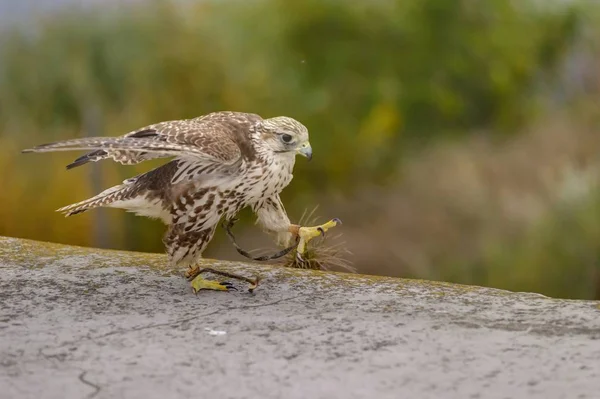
(88, 323)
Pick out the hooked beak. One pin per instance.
(305, 150)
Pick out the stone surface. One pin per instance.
(83, 323)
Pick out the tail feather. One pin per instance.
(147, 194)
(105, 198)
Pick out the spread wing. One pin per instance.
(220, 137)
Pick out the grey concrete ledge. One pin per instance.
(87, 323)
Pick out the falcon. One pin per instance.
(221, 163)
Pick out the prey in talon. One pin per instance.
(217, 165)
(308, 233)
(302, 254)
(314, 252)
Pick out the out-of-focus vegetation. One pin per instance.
(429, 120)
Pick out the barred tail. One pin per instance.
(105, 198)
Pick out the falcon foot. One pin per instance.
(308, 233)
(199, 283)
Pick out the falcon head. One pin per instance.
(284, 135)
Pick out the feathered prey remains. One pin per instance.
(317, 255)
(221, 163)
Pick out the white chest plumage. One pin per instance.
(267, 178)
(251, 184)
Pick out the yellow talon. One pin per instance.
(199, 283)
(308, 233)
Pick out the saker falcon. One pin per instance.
(223, 162)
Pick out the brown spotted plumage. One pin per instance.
(222, 162)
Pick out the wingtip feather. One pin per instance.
(75, 164)
(68, 212)
(37, 148)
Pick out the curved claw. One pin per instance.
(337, 220)
(228, 285)
(253, 285)
(320, 229)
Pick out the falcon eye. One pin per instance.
(286, 138)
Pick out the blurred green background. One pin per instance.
(457, 139)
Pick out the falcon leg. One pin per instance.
(308, 233)
(199, 283)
